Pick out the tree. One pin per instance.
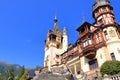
(11, 73)
(110, 67)
(24, 76)
(22, 71)
(37, 67)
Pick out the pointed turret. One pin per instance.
(65, 39)
(55, 21)
(103, 13)
(99, 3)
(53, 46)
(56, 28)
(64, 31)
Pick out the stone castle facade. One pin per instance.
(97, 43)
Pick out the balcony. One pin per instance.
(89, 51)
(100, 44)
(103, 12)
(88, 48)
(90, 55)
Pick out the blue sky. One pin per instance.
(24, 25)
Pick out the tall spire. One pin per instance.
(56, 28)
(55, 20)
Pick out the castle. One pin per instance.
(97, 43)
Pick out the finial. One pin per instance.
(55, 19)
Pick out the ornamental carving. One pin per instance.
(112, 33)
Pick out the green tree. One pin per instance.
(24, 76)
(110, 67)
(22, 71)
(37, 67)
(11, 73)
(8, 74)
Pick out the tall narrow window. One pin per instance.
(85, 42)
(106, 35)
(89, 40)
(93, 64)
(58, 46)
(98, 38)
(113, 56)
(104, 9)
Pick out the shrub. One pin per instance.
(110, 67)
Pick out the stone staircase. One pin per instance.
(57, 73)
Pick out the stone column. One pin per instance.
(75, 69)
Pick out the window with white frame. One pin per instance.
(106, 35)
(98, 38)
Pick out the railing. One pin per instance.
(100, 44)
(88, 48)
(113, 77)
(70, 52)
(91, 72)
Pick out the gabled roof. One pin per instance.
(82, 25)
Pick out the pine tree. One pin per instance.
(22, 71)
(24, 76)
(11, 73)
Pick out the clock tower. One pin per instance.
(54, 46)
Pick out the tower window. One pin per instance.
(106, 35)
(104, 9)
(100, 21)
(58, 46)
(93, 64)
(101, 56)
(113, 56)
(57, 56)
